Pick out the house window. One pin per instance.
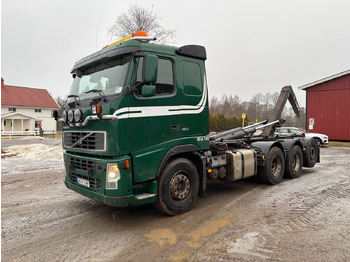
(4, 122)
(12, 109)
(37, 110)
(37, 124)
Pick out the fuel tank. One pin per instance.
(241, 163)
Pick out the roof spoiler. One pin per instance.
(195, 51)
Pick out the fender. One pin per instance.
(265, 146)
(175, 151)
(305, 143)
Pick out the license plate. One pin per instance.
(83, 182)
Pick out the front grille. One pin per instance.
(92, 181)
(81, 163)
(94, 141)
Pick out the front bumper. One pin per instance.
(117, 201)
(94, 170)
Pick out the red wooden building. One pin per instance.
(328, 106)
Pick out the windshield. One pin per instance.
(108, 77)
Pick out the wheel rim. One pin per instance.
(180, 186)
(276, 166)
(313, 152)
(296, 162)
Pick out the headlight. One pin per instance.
(113, 175)
(78, 115)
(65, 116)
(70, 116)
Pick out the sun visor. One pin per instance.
(103, 55)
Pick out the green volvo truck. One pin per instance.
(136, 130)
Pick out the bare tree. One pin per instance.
(139, 18)
(214, 105)
(61, 100)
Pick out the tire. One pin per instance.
(178, 187)
(273, 172)
(311, 154)
(294, 163)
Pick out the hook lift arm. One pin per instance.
(287, 93)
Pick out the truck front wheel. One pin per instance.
(178, 187)
(273, 172)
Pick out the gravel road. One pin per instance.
(305, 219)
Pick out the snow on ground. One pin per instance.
(37, 151)
(31, 158)
(33, 138)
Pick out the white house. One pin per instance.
(25, 110)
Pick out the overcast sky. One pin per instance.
(252, 45)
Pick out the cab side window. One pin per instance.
(165, 78)
(192, 78)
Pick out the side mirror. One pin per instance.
(54, 114)
(148, 90)
(151, 69)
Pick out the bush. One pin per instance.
(219, 122)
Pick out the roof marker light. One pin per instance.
(137, 35)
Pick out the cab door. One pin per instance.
(194, 121)
(154, 120)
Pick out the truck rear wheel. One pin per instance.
(294, 163)
(310, 158)
(178, 187)
(273, 172)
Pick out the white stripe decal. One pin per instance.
(149, 111)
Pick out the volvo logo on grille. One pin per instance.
(80, 140)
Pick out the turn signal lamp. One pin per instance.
(113, 168)
(96, 109)
(124, 164)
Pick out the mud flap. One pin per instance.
(202, 171)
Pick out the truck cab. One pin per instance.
(131, 107)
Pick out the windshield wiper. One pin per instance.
(99, 91)
(74, 96)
